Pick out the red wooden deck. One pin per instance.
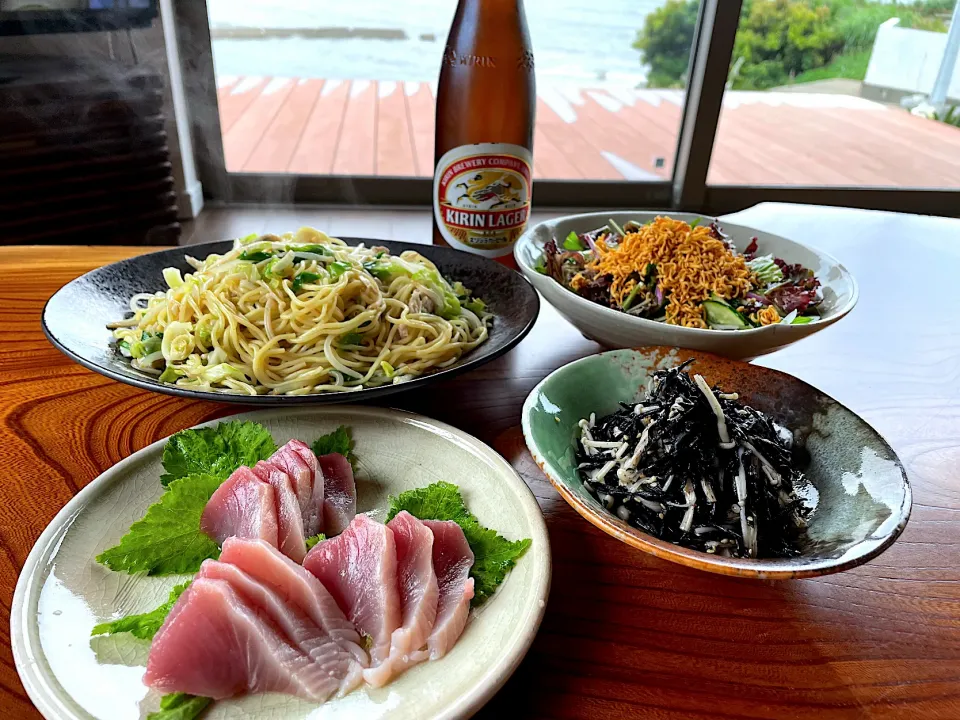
(363, 127)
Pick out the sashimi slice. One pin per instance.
(419, 591)
(295, 459)
(302, 590)
(339, 493)
(243, 506)
(310, 460)
(452, 560)
(215, 645)
(304, 634)
(290, 538)
(359, 568)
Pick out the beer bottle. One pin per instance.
(486, 103)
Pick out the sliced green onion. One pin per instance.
(149, 343)
(387, 368)
(268, 268)
(255, 256)
(628, 301)
(338, 268)
(315, 249)
(378, 270)
(619, 230)
(302, 278)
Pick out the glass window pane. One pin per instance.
(348, 88)
(837, 92)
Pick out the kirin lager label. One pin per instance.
(482, 196)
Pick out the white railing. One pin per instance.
(905, 61)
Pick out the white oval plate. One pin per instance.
(616, 329)
(62, 592)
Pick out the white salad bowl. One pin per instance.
(616, 329)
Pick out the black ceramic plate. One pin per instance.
(75, 318)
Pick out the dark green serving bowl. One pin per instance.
(864, 498)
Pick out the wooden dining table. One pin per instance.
(625, 635)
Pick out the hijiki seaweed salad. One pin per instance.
(682, 273)
(692, 465)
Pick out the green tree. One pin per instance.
(665, 42)
(779, 39)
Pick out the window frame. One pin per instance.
(688, 190)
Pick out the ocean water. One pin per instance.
(579, 41)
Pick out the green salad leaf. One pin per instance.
(216, 451)
(573, 242)
(144, 625)
(180, 706)
(339, 441)
(168, 539)
(494, 556)
(311, 541)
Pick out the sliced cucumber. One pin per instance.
(719, 314)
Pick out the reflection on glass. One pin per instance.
(311, 87)
(836, 92)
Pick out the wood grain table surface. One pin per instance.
(625, 635)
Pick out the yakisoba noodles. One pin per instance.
(302, 313)
(681, 273)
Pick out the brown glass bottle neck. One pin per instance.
(475, 9)
(491, 3)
